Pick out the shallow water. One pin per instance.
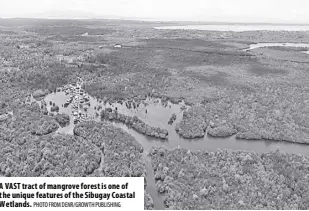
(151, 111)
(239, 27)
(158, 115)
(264, 45)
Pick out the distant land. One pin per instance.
(84, 15)
(136, 19)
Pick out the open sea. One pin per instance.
(240, 27)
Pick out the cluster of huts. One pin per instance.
(78, 98)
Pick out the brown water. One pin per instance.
(159, 115)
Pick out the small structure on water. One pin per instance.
(117, 46)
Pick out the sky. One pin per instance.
(271, 11)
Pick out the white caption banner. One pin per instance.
(50, 193)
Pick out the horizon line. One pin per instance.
(157, 20)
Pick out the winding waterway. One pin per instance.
(155, 113)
